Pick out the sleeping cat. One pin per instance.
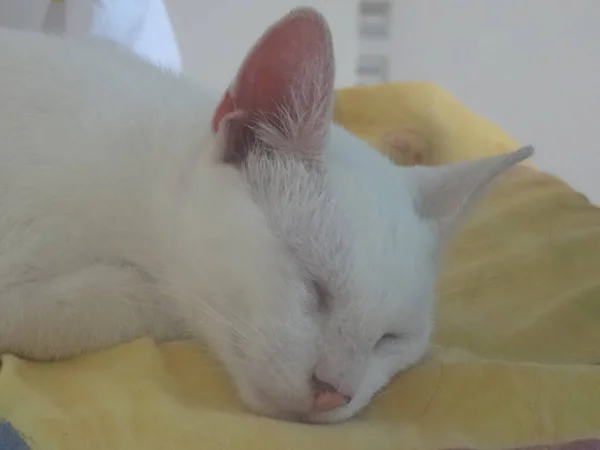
(133, 203)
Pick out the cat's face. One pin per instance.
(363, 283)
(359, 238)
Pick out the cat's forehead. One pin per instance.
(393, 248)
(350, 224)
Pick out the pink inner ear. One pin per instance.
(298, 43)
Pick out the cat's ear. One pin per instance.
(445, 194)
(283, 93)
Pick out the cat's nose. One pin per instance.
(327, 397)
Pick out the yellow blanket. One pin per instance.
(513, 361)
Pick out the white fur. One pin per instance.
(118, 219)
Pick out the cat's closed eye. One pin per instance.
(323, 295)
(388, 340)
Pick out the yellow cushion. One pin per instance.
(522, 280)
(418, 123)
(519, 298)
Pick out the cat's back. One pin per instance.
(88, 134)
(84, 121)
(68, 100)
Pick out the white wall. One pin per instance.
(23, 14)
(531, 66)
(214, 35)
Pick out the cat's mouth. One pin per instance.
(263, 403)
(341, 414)
(304, 413)
(338, 415)
(270, 398)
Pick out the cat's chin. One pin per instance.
(264, 399)
(338, 415)
(260, 404)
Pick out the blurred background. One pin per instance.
(531, 66)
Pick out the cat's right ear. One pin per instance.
(444, 195)
(282, 96)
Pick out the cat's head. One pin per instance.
(360, 238)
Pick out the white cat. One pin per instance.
(134, 204)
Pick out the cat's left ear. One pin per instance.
(282, 96)
(444, 195)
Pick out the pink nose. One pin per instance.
(326, 401)
(327, 397)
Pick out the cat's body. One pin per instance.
(83, 189)
(119, 219)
